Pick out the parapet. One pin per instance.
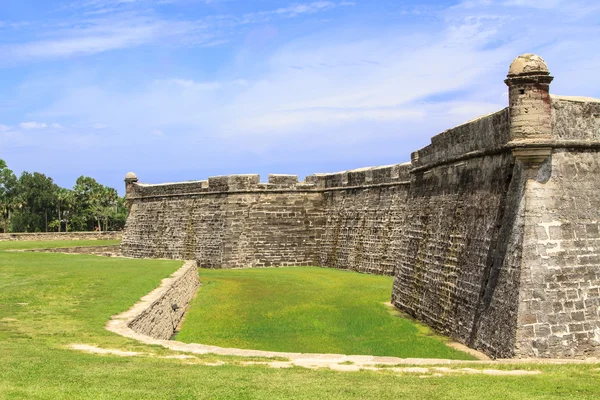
(371, 176)
(487, 134)
(576, 120)
(368, 176)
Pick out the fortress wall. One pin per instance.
(233, 221)
(453, 250)
(364, 220)
(560, 285)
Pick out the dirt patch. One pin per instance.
(316, 363)
(98, 350)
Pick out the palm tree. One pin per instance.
(64, 204)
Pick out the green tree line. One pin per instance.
(32, 202)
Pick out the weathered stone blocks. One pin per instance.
(159, 313)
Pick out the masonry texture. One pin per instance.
(491, 232)
(159, 313)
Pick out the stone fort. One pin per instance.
(492, 232)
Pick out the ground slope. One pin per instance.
(305, 310)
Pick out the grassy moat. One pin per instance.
(49, 301)
(307, 310)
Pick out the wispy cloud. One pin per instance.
(33, 125)
(104, 34)
(119, 24)
(290, 11)
(307, 8)
(191, 84)
(36, 125)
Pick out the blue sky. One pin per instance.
(185, 89)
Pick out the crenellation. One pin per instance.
(491, 231)
(335, 180)
(361, 176)
(385, 174)
(318, 180)
(242, 182)
(281, 180)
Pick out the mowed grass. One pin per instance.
(53, 244)
(307, 310)
(48, 301)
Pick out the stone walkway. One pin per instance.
(346, 366)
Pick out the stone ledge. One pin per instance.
(109, 251)
(35, 236)
(157, 314)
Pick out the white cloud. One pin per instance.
(158, 132)
(33, 125)
(292, 10)
(542, 4)
(4, 128)
(307, 8)
(203, 86)
(94, 37)
(114, 25)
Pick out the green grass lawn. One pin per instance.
(52, 244)
(48, 301)
(307, 310)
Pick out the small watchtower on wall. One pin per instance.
(530, 107)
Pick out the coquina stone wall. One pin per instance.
(364, 218)
(159, 313)
(453, 259)
(227, 222)
(559, 299)
(491, 232)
